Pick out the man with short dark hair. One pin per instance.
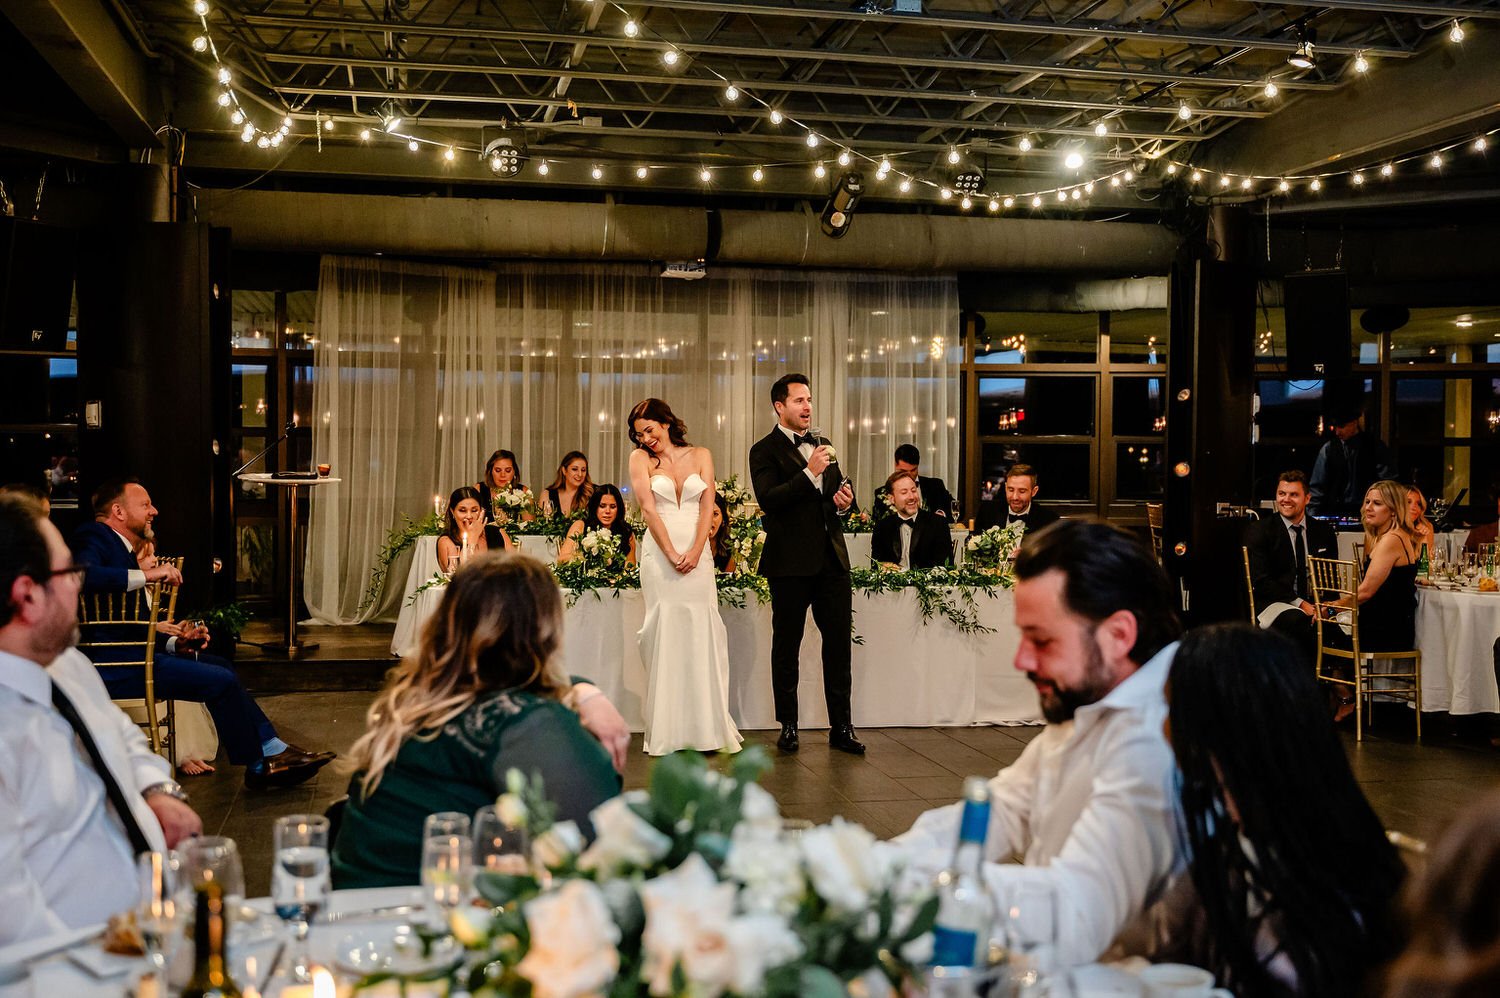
(184, 670)
(1020, 489)
(1088, 807)
(1279, 546)
(913, 537)
(81, 793)
(1348, 464)
(935, 494)
(802, 494)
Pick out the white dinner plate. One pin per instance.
(394, 949)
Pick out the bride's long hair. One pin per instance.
(499, 627)
(658, 412)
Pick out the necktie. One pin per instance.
(138, 841)
(1299, 551)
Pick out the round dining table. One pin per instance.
(1456, 634)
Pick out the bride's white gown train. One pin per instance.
(683, 642)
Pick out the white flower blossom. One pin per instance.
(557, 845)
(573, 940)
(845, 865)
(510, 809)
(624, 838)
(770, 869)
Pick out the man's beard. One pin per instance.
(1060, 704)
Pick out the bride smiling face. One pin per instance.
(651, 435)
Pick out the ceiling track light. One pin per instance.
(1303, 56)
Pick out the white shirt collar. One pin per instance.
(121, 537)
(26, 678)
(907, 519)
(1289, 524)
(792, 435)
(1025, 512)
(1140, 689)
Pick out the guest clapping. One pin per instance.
(484, 695)
(466, 532)
(720, 541)
(914, 537)
(501, 472)
(606, 510)
(571, 489)
(1290, 880)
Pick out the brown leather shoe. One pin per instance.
(286, 769)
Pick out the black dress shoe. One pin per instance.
(788, 740)
(842, 738)
(286, 769)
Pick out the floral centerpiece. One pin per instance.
(858, 521)
(691, 888)
(601, 564)
(512, 503)
(994, 549)
(746, 538)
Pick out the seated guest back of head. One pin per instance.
(81, 793)
(501, 472)
(720, 541)
(465, 521)
(33, 493)
(1088, 807)
(606, 511)
(1453, 914)
(1019, 506)
(1279, 547)
(914, 537)
(1291, 881)
(1416, 514)
(571, 488)
(483, 695)
(183, 667)
(935, 494)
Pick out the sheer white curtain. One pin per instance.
(542, 359)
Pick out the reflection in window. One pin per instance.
(1138, 336)
(1062, 469)
(1448, 336)
(1140, 471)
(1037, 406)
(1140, 407)
(1038, 338)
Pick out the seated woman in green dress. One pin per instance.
(482, 696)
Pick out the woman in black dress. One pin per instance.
(569, 494)
(502, 471)
(1388, 591)
(606, 509)
(720, 543)
(465, 520)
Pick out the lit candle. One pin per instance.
(322, 986)
(464, 555)
(437, 505)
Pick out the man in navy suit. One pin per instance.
(123, 516)
(802, 493)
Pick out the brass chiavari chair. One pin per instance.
(1154, 520)
(1249, 585)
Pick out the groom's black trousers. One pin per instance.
(830, 596)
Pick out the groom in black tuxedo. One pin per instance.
(802, 492)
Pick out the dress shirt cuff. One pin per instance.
(135, 579)
(149, 769)
(172, 646)
(810, 476)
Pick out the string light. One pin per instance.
(1315, 185)
(631, 28)
(641, 173)
(1224, 181)
(966, 203)
(1077, 194)
(1114, 181)
(1361, 64)
(994, 204)
(1358, 179)
(1481, 144)
(1062, 195)
(905, 185)
(597, 173)
(412, 145)
(670, 57)
(1171, 169)
(364, 135)
(543, 169)
(449, 154)
(953, 156)
(820, 171)
(238, 117)
(1197, 176)
(327, 124)
(704, 175)
(776, 117)
(224, 75)
(1009, 202)
(1074, 160)
(1036, 202)
(758, 175)
(1183, 111)
(1272, 89)
(946, 194)
(1456, 33)
(200, 7)
(812, 140)
(224, 99)
(1436, 162)
(1284, 186)
(1101, 129)
(844, 157)
(1025, 143)
(731, 92)
(1388, 169)
(200, 44)
(885, 165)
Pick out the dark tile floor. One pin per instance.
(1414, 788)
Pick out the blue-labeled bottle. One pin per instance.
(961, 935)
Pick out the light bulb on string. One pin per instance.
(1271, 88)
(1062, 195)
(966, 203)
(264, 142)
(670, 57)
(449, 154)
(1074, 160)
(1088, 188)
(1315, 184)
(364, 135)
(286, 123)
(543, 169)
(994, 205)
(1101, 129)
(1036, 201)
(704, 175)
(1388, 169)
(905, 185)
(327, 124)
(1114, 181)
(1283, 187)
(1224, 181)
(247, 134)
(776, 117)
(200, 44)
(1436, 162)
(1197, 175)
(885, 166)
(1456, 33)
(758, 175)
(1183, 111)
(1481, 144)
(597, 172)
(1076, 194)
(953, 156)
(276, 139)
(1008, 202)
(1129, 176)
(641, 173)
(238, 117)
(1025, 143)
(1361, 64)
(413, 145)
(820, 171)
(200, 7)
(1171, 169)
(946, 194)
(843, 157)
(224, 99)
(812, 140)
(731, 92)
(631, 28)
(1358, 179)
(1246, 184)
(224, 75)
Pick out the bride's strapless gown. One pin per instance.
(683, 643)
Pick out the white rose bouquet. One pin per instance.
(693, 888)
(512, 503)
(994, 548)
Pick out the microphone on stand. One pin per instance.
(291, 425)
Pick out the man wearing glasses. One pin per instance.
(81, 793)
(123, 517)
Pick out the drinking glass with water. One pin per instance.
(300, 881)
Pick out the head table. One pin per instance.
(907, 671)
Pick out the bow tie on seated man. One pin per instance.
(123, 518)
(82, 794)
(935, 494)
(914, 537)
(1020, 506)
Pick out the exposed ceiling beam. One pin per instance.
(82, 42)
(1430, 8)
(1443, 93)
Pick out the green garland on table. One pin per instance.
(945, 592)
(397, 541)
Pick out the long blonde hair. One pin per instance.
(1393, 494)
(498, 627)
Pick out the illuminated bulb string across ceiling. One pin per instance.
(1072, 195)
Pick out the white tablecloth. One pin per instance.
(1348, 538)
(1456, 634)
(906, 672)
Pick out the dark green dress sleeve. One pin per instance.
(574, 767)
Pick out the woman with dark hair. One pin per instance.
(502, 471)
(1290, 879)
(466, 533)
(484, 695)
(683, 642)
(1453, 914)
(607, 511)
(719, 539)
(571, 489)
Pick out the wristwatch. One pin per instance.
(169, 787)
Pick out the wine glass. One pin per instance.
(213, 859)
(452, 565)
(954, 512)
(445, 823)
(446, 874)
(1031, 931)
(1471, 568)
(300, 881)
(156, 910)
(499, 847)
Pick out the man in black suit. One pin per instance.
(913, 537)
(935, 495)
(1020, 506)
(1279, 546)
(123, 517)
(802, 493)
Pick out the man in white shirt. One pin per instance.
(81, 794)
(1088, 807)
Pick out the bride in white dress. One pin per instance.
(683, 642)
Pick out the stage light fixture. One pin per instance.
(505, 151)
(838, 214)
(1302, 56)
(968, 181)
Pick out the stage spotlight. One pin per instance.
(505, 152)
(839, 212)
(968, 181)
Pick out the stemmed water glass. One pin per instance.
(445, 823)
(499, 847)
(446, 874)
(213, 859)
(1471, 568)
(156, 912)
(1030, 917)
(300, 881)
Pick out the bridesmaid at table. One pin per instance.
(720, 543)
(606, 509)
(571, 489)
(502, 471)
(467, 532)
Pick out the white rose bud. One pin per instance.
(510, 809)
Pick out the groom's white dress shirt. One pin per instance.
(65, 858)
(805, 449)
(1088, 808)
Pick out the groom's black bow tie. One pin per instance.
(809, 439)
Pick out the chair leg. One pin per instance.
(1359, 702)
(1417, 687)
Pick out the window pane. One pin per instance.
(253, 319)
(1062, 469)
(1138, 336)
(1440, 470)
(1291, 409)
(255, 566)
(1140, 471)
(1038, 406)
(1433, 408)
(1140, 406)
(38, 389)
(42, 458)
(1038, 338)
(301, 319)
(251, 400)
(1448, 336)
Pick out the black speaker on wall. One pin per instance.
(36, 285)
(1317, 323)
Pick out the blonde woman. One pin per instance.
(483, 696)
(1421, 527)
